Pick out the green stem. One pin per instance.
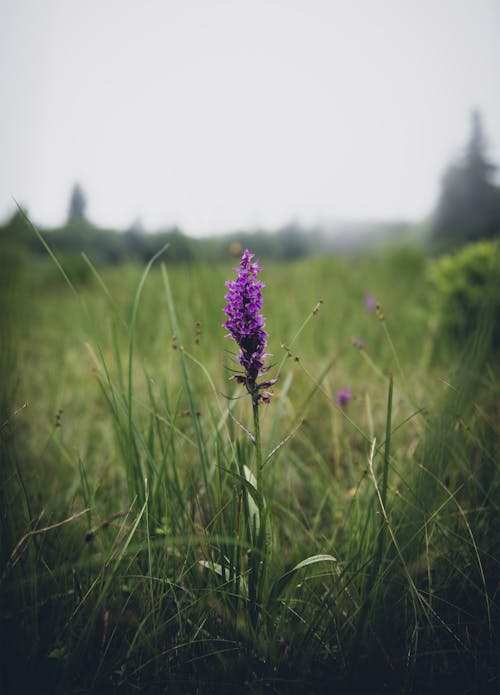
(385, 475)
(258, 444)
(387, 447)
(369, 600)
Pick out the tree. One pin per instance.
(77, 204)
(469, 205)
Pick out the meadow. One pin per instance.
(142, 550)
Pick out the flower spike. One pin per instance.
(245, 322)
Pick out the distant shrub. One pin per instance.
(468, 284)
(406, 259)
(75, 268)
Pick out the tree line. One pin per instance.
(468, 209)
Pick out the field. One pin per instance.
(141, 548)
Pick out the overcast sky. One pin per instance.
(215, 114)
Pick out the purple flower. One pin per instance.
(244, 321)
(370, 302)
(343, 396)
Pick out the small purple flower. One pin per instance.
(370, 303)
(244, 321)
(343, 396)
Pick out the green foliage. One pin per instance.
(112, 247)
(409, 260)
(469, 290)
(75, 267)
(142, 551)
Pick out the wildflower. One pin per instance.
(343, 396)
(246, 325)
(370, 303)
(266, 396)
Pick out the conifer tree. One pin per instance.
(469, 205)
(77, 204)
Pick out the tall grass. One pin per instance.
(140, 552)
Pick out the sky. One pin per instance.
(215, 115)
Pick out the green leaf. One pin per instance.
(312, 561)
(282, 582)
(223, 573)
(253, 508)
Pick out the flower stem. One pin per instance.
(258, 445)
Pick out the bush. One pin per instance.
(75, 268)
(406, 260)
(469, 289)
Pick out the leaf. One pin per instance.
(312, 561)
(283, 441)
(223, 573)
(215, 567)
(282, 582)
(58, 653)
(257, 513)
(242, 426)
(247, 485)
(253, 509)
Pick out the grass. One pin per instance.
(139, 551)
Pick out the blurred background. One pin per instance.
(294, 125)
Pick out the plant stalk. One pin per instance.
(258, 444)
